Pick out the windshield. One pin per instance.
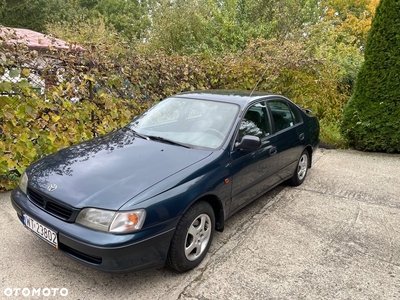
(191, 122)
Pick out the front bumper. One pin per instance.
(108, 252)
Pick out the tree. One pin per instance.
(281, 19)
(226, 25)
(179, 26)
(340, 34)
(350, 18)
(29, 14)
(129, 17)
(371, 118)
(36, 14)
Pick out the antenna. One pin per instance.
(258, 82)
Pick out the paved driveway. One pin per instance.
(335, 237)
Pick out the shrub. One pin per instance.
(371, 119)
(112, 87)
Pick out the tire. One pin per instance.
(301, 169)
(192, 238)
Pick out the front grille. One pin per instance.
(58, 210)
(35, 198)
(49, 205)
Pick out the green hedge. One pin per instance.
(112, 89)
(371, 119)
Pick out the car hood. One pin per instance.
(107, 172)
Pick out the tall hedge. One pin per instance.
(113, 87)
(371, 119)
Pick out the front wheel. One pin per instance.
(301, 169)
(192, 237)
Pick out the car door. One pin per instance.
(253, 171)
(290, 136)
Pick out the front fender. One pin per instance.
(172, 203)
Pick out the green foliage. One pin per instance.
(130, 18)
(279, 19)
(308, 50)
(330, 134)
(89, 4)
(90, 33)
(24, 13)
(33, 124)
(65, 11)
(206, 26)
(325, 43)
(36, 14)
(179, 27)
(112, 87)
(372, 117)
(339, 35)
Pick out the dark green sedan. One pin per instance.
(153, 192)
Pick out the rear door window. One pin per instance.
(283, 115)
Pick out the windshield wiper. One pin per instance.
(139, 134)
(164, 140)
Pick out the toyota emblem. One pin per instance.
(52, 187)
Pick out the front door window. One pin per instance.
(255, 122)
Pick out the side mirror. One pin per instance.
(249, 142)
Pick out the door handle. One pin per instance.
(273, 151)
(301, 136)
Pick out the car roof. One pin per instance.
(239, 97)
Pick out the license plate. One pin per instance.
(41, 231)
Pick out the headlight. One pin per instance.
(111, 221)
(23, 183)
(95, 218)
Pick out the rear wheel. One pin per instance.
(301, 169)
(192, 238)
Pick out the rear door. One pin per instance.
(288, 128)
